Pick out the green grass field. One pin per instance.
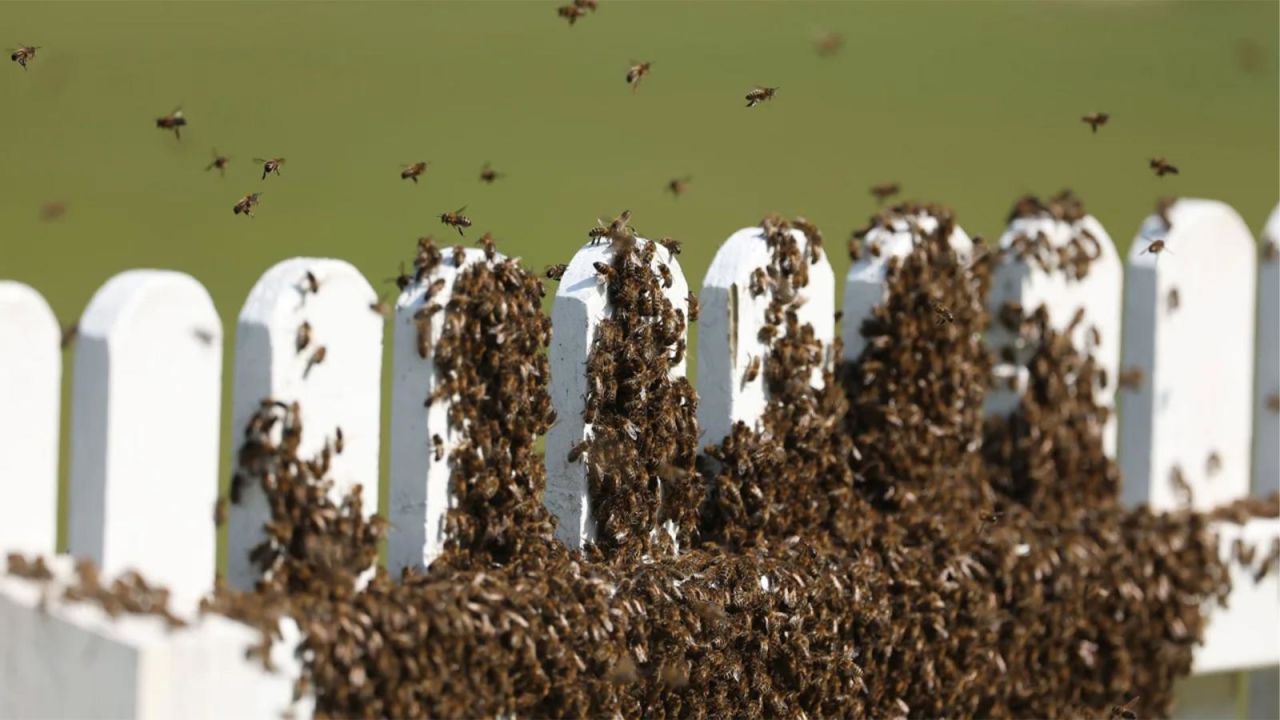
(967, 103)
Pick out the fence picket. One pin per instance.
(340, 388)
(581, 303)
(30, 388)
(729, 325)
(144, 434)
(1266, 409)
(1188, 328)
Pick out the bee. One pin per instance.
(403, 280)
(436, 286)
(456, 219)
(597, 233)
(884, 191)
(1131, 378)
(753, 370)
(174, 121)
(339, 441)
(1096, 120)
(317, 357)
(270, 166)
(575, 452)
(555, 272)
(587, 4)
(246, 204)
(411, 172)
(310, 283)
(69, 334)
(1213, 463)
(760, 94)
(1155, 248)
(1273, 402)
(943, 315)
(488, 174)
(219, 162)
(303, 337)
(665, 273)
(767, 333)
(672, 246)
(694, 308)
(829, 44)
(490, 248)
(678, 186)
(1162, 167)
(24, 55)
(636, 73)
(203, 336)
(1173, 299)
(759, 282)
(1124, 712)
(438, 443)
(605, 271)
(570, 12)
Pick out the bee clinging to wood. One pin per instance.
(1155, 248)
(317, 357)
(456, 219)
(1174, 299)
(1131, 378)
(24, 55)
(759, 95)
(413, 171)
(246, 204)
(636, 73)
(1162, 167)
(942, 314)
(438, 443)
(490, 247)
(219, 162)
(174, 121)
(678, 186)
(884, 191)
(220, 512)
(269, 166)
(310, 282)
(488, 174)
(303, 337)
(1096, 120)
(752, 371)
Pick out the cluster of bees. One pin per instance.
(1073, 257)
(128, 594)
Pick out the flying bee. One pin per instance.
(884, 191)
(591, 5)
(672, 246)
(753, 370)
(24, 55)
(456, 219)
(760, 94)
(829, 44)
(1162, 167)
(1096, 120)
(943, 315)
(303, 338)
(636, 73)
(270, 166)
(403, 280)
(678, 186)
(246, 204)
(174, 121)
(219, 162)
(411, 172)
(555, 272)
(570, 12)
(598, 233)
(488, 174)
(317, 357)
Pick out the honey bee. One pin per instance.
(1155, 248)
(1125, 711)
(1273, 402)
(1173, 299)
(636, 73)
(438, 443)
(555, 272)
(24, 55)
(1096, 120)
(1131, 378)
(665, 273)
(884, 191)
(456, 219)
(220, 512)
(339, 441)
(317, 357)
(403, 280)
(1162, 167)
(412, 171)
(219, 162)
(303, 338)
(605, 271)
(753, 370)
(488, 174)
(943, 315)
(69, 334)
(672, 246)
(575, 452)
(570, 12)
(759, 94)
(174, 121)
(694, 307)
(678, 186)
(246, 204)
(829, 44)
(490, 247)
(270, 166)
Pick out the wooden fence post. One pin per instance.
(1266, 408)
(581, 303)
(308, 333)
(420, 479)
(30, 388)
(144, 433)
(1097, 293)
(1188, 333)
(729, 325)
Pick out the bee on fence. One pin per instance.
(488, 174)
(438, 443)
(270, 166)
(422, 322)
(339, 441)
(246, 204)
(303, 338)
(884, 191)
(555, 272)
(1162, 167)
(219, 162)
(203, 336)
(665, 273)
(436, 286)
(317, 357)
(760, 94)
(752, 372)
(1095, 120)
(767, 333)
(490, 248)
(694, 307)
(636, 73)
(403, 280)
(1178, 481)
(1273, 403)
(24, 55)
(1131, 378)
(829, 44)
(174, 121)
(458, 255)
(605, 272)
(414, 171)
(1155, 248)
(310, 283)
(575, 452)
(1173, 299)
(456, 219)
(760, 282)
(1125, 711)
(678, 186)
(873, 247)
(942, 314)
(1270, 251)
(69, 335)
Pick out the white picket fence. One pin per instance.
(146, 416)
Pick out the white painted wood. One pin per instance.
(729, 324)
(420, 484)
(581, 303)
(1266, 414)
(63, 659)
(865, 283)
(1195, 399)
(1245, 634)
(144, 432)
(343, 391)
(30, 390)
(1098, 294)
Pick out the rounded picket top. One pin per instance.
(1188, 357)
(30, 390)
(420, 489)
(308, 333)
(1266, 409)
(865, 282)
(144, 430)
(581, 304)
(729, 323)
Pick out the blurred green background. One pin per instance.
(967, 103)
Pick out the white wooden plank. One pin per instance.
(144, 434)
(343, 390)
(1191, 413)
(1266, 408)
(1245, 634)
(729, 324)
(581, 303)
(420, 479)
(30, 390)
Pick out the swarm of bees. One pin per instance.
(759, 94)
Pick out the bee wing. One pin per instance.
(460, 210)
